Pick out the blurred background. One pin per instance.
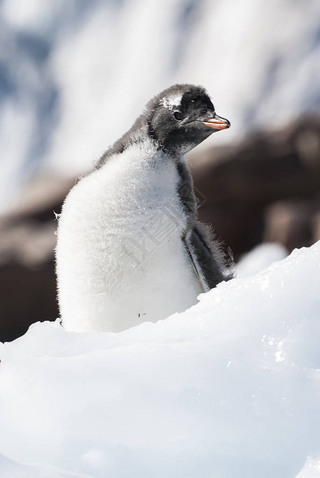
(74, 76)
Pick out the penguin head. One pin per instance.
(181, 117)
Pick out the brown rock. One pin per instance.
(27, 242)
(292, 223)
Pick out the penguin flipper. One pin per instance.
(205, 256)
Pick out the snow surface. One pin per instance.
(230, 388)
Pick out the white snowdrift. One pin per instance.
(229, 388)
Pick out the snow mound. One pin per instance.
(260, 258)
(229, 388)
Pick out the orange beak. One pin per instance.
(217, 123)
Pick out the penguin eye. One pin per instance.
(177, 115)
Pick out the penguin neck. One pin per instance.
(135, 135)
(170, 149)
(142, 136)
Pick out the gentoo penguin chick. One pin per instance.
(130, 248)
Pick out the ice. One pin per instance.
(229, 388)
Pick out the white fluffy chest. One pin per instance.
(124, 215)
(132, 190)
(119, 251)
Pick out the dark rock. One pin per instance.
(27, 241)
(28, 295)
(292, 223)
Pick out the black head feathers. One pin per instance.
(176, 120)
(181, 117)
